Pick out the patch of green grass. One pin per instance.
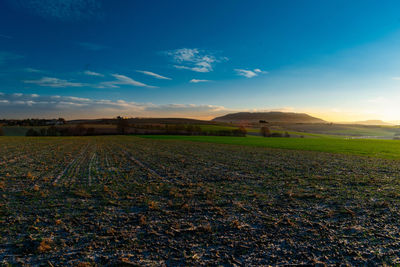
(19, 130)
(365, 131)
(367, 147)
(310, 135)
(212, 128)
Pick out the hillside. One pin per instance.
(371, 122)
(275, 116)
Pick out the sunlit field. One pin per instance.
(151, 201)
(368, 147)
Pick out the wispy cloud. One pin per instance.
(92, 73)
(155, 75)
(249, 73)
(378, 100)
(7, 56)
(61, 9)
(92, 46)
(54, 82)
(194, 59)
(31, 105)
(122, 80)
(33, 70)
(396, 78)
(5, 36)
(198, 81)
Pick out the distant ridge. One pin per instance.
(370, 122)
(274, 116)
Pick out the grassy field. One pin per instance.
(18, 130)
(125, 200)
(343, 129)
(367, 147)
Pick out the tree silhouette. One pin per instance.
(122, 125)
(264, 131)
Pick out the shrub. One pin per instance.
(32, 132)
(1, 131)
(276, 135)
(242, 130)
(264, 131)
(52, 131)
(122, 125)
(43, 132)
(90, 131)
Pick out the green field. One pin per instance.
(18, 130)
(389, 149)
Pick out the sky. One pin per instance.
(336, 60)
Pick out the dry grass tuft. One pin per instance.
(142, 220)
(30, 176)
(153, 205)
(45, 245)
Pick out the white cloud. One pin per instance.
(396, 78)
(155, 75)
(92, 73)
(249, 73)
(54, 82)
(194, 59)
(122, 80)
(110, 84)
(198, 81)
(24, 106)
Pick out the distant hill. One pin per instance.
(286, 117)
(371, 122)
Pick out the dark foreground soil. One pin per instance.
(132, 201)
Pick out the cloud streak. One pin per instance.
(194, 59)
(198, 81)
(5, 36)
(54, 82)
(249, 73)
(33, 70)
(155, 75)
(24, 106)
(92, 73)
(8, 56)
(123, 80)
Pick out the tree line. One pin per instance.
(33, 122)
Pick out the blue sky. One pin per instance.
(338, 60)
